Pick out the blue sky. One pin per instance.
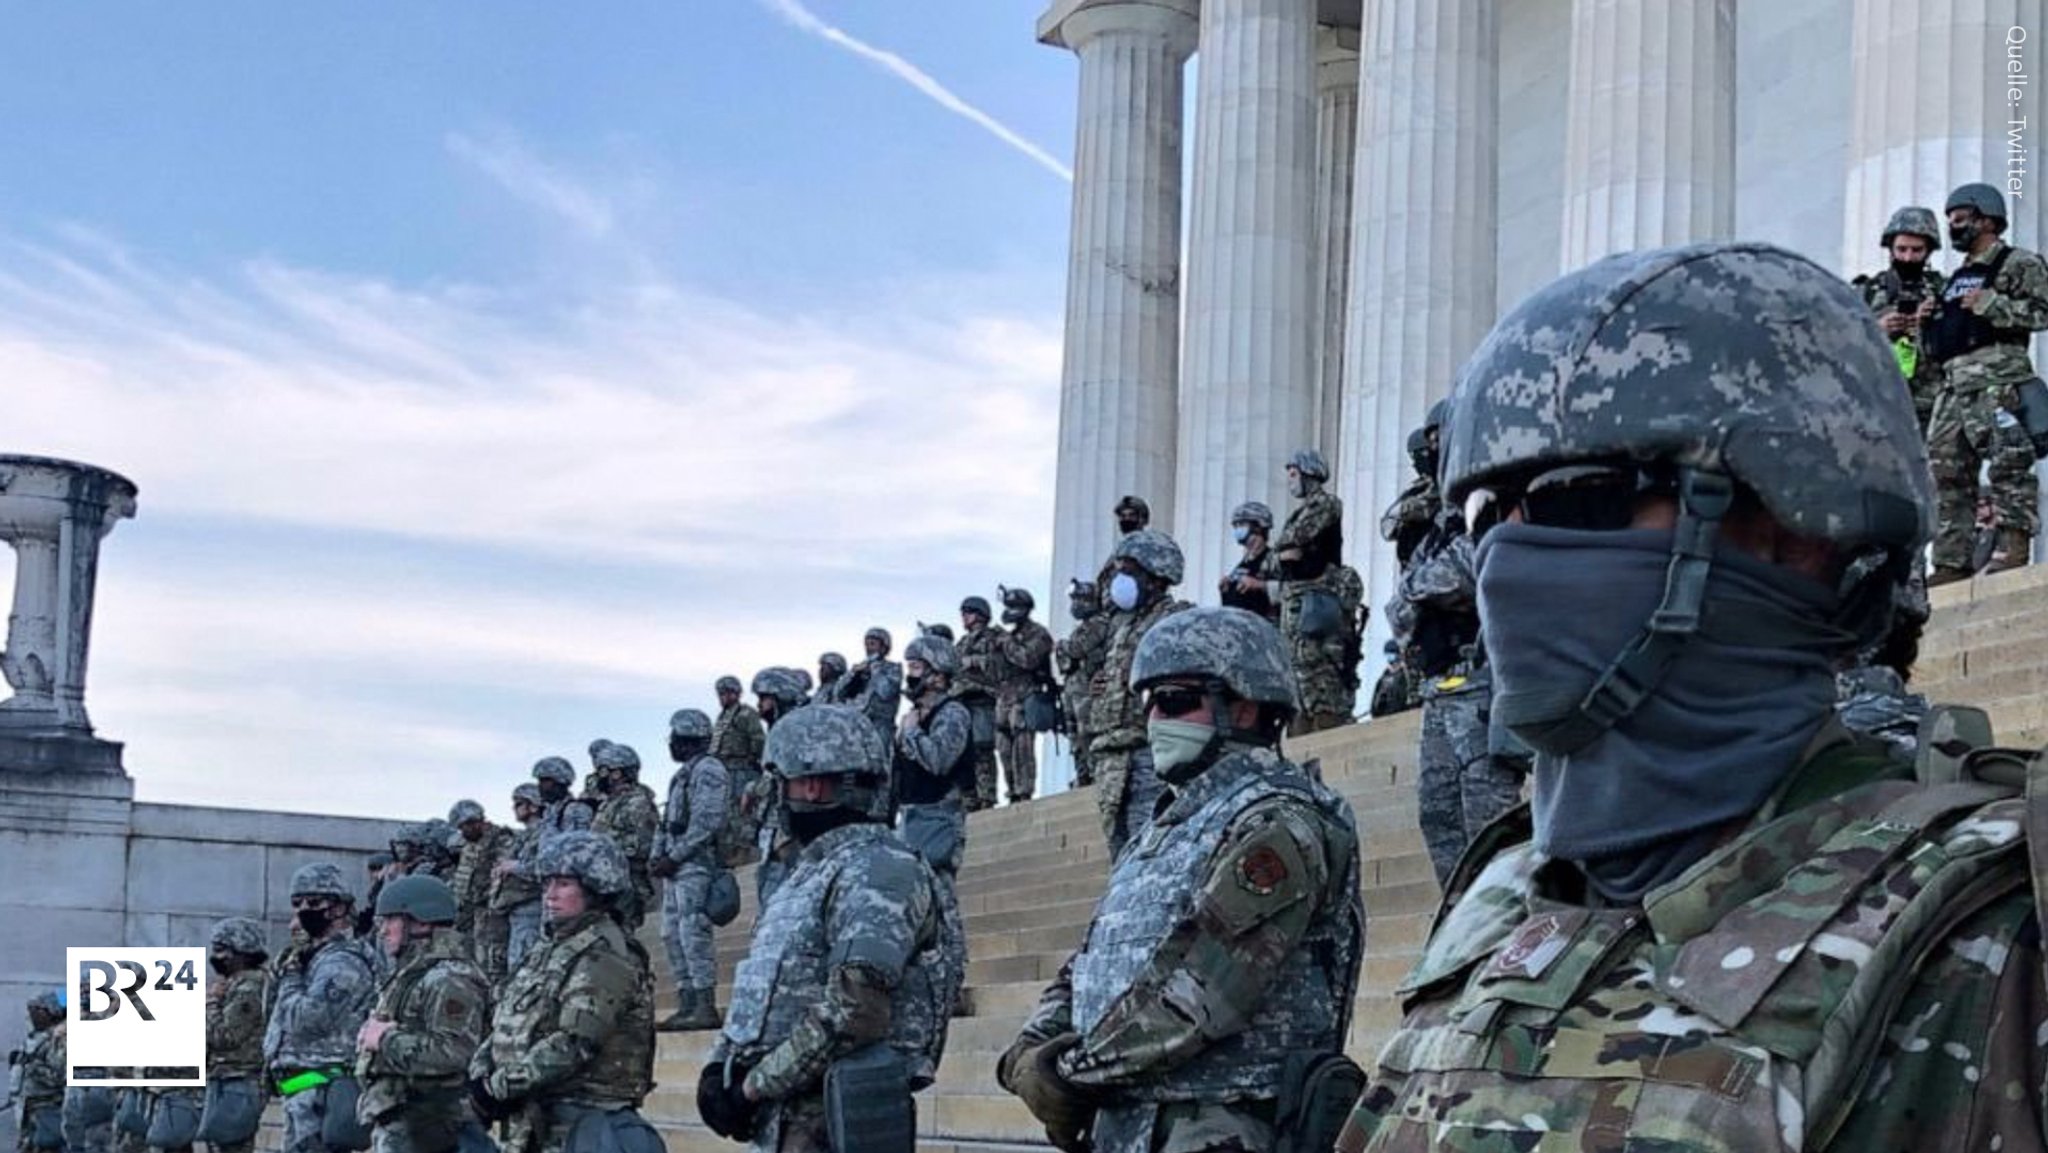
(496, 375)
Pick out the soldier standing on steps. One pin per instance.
(628, 815)
(839, 1011)
(686, 857)
(413, 1053)
(1905, 297)
(325, 988)
(736, 739)
(1148, 565)
(234, 1021)
(1025, 649)
(780, 694)
(876, 684)
(38, 1077)
(1078, 658)
(1219, 971)
(515, 891)
(976, 685)
(933, 771)
(483, 846)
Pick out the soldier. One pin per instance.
(686, 855)
(88, 1111)
(563, 812)
(736, 740)
(1224, 956)
(1025, 649)
(1736, 927)
(778, 693)
(572, 1036)
(440, 849)
(1905, 296)
(483, 846)
(839, 1010)
(1079, 658)
(979, 681)
(1132, 514)
(325, 988)
(629, 816)
(1148, 565)
(38, 1076)
(236, 950)
(831, 678)
(1251, 524)
(515, 889)
(875, 686)
(1307, 557)
(933, 771)
(1414, 513)
(413, 1054)
(1991, 307)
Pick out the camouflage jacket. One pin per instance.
(630, 818)
(234, 1024)
(322, 998)
(1026, 653)
(473, 869)
(737, 737)
(439, 1004)
(518, 887)
(1409, 518)
(1079, 656)
(935, 761)
(2016, 299)
(1887, 292)
(699, 804)
(876, 686)
(576, 1022)
(1228, 940)
(981, 662)
(1309, 542)
(1116, 717)
(1858, 969)
(43, 1070)
(1872, 700)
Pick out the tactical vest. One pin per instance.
(1742, 1008)
(1154, 888)
(917, 785)
(676, 819)
(472, 882)
(296, 1044)
(513, 890)
(1955, 330)
(787, 966)
(530, 1009)
(387, 1091)
(243, 1054)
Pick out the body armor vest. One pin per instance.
(530, 1008)
(1955, 330)
(244, 1054)
(917, 785)
(292, 1043)
(1153, 890)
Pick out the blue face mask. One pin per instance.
(1123, 591)
(1241, 532)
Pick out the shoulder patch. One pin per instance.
(1261, 871)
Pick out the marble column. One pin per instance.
(1336, 158)
(1423, 262)
(1248, 395)
(1650, 126)
(1120, 374)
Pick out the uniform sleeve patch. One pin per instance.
(1261, 871)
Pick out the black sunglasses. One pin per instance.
(1175, 700)
(1591, 497)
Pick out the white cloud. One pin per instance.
(803, 19)
(504, 159)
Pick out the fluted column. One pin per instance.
(1119, 377)
(1650, 126)
(1336, 157)
(31, 658)
(1422, 258)
(1248, 395)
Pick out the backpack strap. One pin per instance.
(1948, 735)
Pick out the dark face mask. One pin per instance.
(1909, 269)
(552, 791)
(1127, 526)
(1425, 462)
(313, 921)
(807, 825)
(1014, 617)
(473, 835)
(1964, 236)
(221, 963)
(914, 685)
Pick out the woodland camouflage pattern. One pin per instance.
(737, 738)
(1116, 725)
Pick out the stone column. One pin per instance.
(1248, 396)
(1336, 157)
(1422, 259)
(1650, 126)
(1119, 377)
(30, 658)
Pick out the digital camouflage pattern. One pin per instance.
(1233, 646)
(515, 897)
(1228, 940)
(592, 859)
(554, 769)
(1153, 551)
(438, 1002)
(737, 739)
(322, 993)
(40, 1076)
(699, 805)
(875, 686)
(321, 879)
(1873, 700)
(1460, 786)
(1025, 650)
(935, 744)
(477, 916)
(1079, 658)
(238, 935)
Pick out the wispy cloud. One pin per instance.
(502, 157)
(802, 18)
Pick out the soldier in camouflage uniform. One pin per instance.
(1078, 658)
(573, 1032)
(1991, 307)
(38, 1077)
(563, 811)
(1025, 649)
(933, 771)
(1226, 948)
(831, 678)
(778, 693)
(1148, 564)
(686, 856)
(1251, 525)
(1724, 924)
(1410, 519)
(846, 960)
(736, 740)
(1132, 514)
(1905, 297)
(515, 890)
(412, 1055)
(88, 1112)
(1307, 560)
(325, 988)
(483, 846)
(980, 679)
(876, 684)
(629, 816)
(235, 1018)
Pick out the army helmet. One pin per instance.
(320, 879)
(439, 834)
(1135, 505)
(1019, 600)
(238, 935)
(591, 858)
(47, 1003)
(530, 793)
(878, 633)
(463, 812)
(728, 685)
(555, 769)
(1913, 220)
(976, 604)
(937, 653)
(1988, 201)
(1309, 463)
(424, 898)
(1155, 552)
(597, 747)
(1253, 512)
(689, 725)
(1240, 650)
(781, 683)
(617, 758)
(834, 661)
(833, 741)
(408, 833)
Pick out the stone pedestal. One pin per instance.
(1650, 134)
(1119, 376)
(1336, 159)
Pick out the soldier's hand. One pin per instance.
(1033, 1074)
(1971, 298)
(1894, 322)
(371, 1035)
(1926, 310)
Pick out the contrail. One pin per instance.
(804, 19)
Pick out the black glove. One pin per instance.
(723, 1106)
(487, 1107)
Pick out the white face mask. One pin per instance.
(1123, 591)
(1241, 532)
(1178, 746)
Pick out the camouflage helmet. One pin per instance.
(1988, 201)
(803, 679)
(530, 793)
(878, 633)
(976, 605)
(463, 812)
(689, 725)
(47, 1003)
(238, 935)
(598, 746)
(555, 769)
(1913, 220)
(1155, 552)
(1253, 512)
(320, 879)
(728, 685)
(1019, 599)
(423, 898)
(439, 834)
(618, 758)
(1309, 463)
(1237, 648)
(833, 661)
(1133, 504)
(409, 833)
(833, 741)
(591, 858)
(941, 629)
(379, 862)
(937, 653)
(781, 683)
